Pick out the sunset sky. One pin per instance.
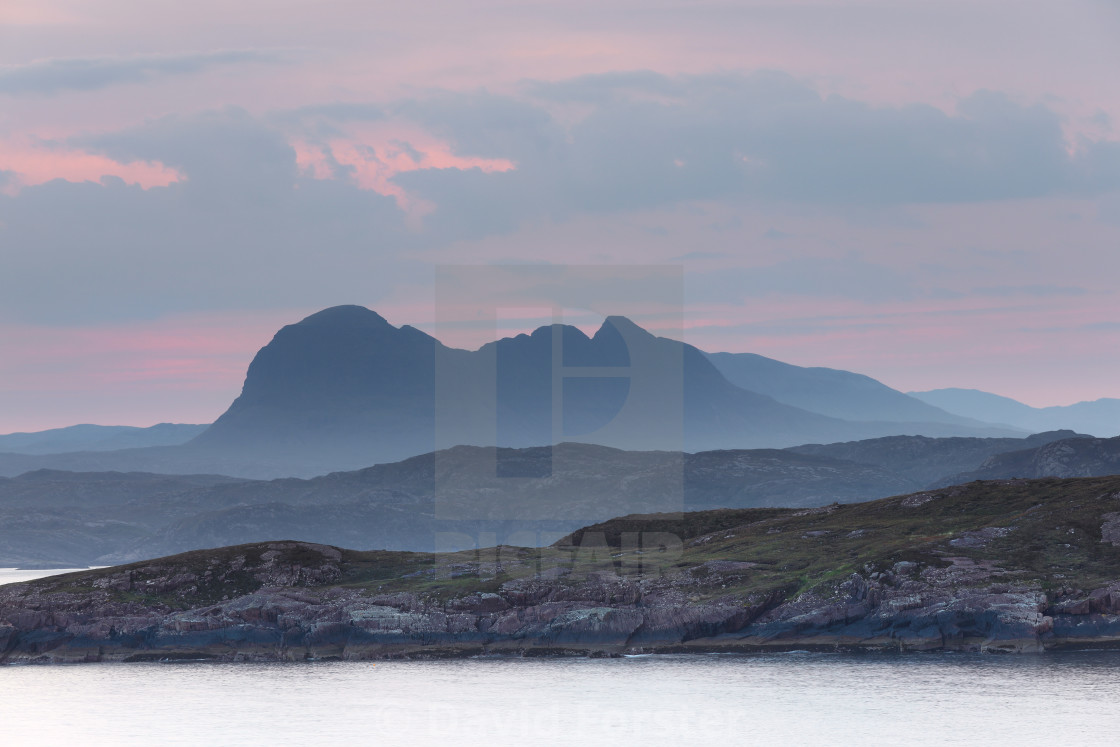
(925, 191)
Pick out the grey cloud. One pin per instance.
(1101, 120)
(816, 277)
(244, 230)
(1108, 209)
(792, 327)
(602, 88)
(321, 121)
(1035, 291)
(230, 159)
(1066, 329)
(471, 204)
(648, 140)
(488, 125)
(1100, 166)
(689, 256)
(53, 76)
(340, 111)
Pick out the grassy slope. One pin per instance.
(1051, 534)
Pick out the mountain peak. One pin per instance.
(345, 315)
(623, 326)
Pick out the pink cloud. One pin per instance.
(376, 152)
(34, 164)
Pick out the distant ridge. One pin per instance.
(87, 437)
(1099, 417)
(345, 382)
(343, 389)
(54, 518)
(1075, 457)
(830, 391)
(929, 461)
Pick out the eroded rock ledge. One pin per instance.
(1012, 566)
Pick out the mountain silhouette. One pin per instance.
(1100, 417)
(830, 391)
(345, 389)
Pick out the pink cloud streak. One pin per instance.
(378, 152)
(34, 164)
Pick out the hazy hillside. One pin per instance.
(344, 389)
(453, 498)
(928, 460)
(829, 391)
(97, 438)
(1100, 417)
(1079, 457)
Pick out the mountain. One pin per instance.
(1100, 417)
(98, 438)
(449, 498)
(829, 391)
(347, 385)
(949, 570)
(926, 461)
(457, 497)
(344, 389)
(1078, 457)
(342, 384)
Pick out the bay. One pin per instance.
(787, 699)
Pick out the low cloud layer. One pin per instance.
(248, 224)
(647, 140)
(53, 76)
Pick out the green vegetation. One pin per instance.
(1048, 531)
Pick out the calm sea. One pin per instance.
(788, 699)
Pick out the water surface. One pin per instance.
(790, 699)
(18, 575)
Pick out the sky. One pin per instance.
(927, 192)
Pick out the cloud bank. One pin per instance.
(54, 76)
(247, 224)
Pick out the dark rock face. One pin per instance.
(288, 616)
(942, 570)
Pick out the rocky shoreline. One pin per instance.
(885, 576)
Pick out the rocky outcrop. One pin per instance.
(1071, 457)
(1014, 566)
(907, 607)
